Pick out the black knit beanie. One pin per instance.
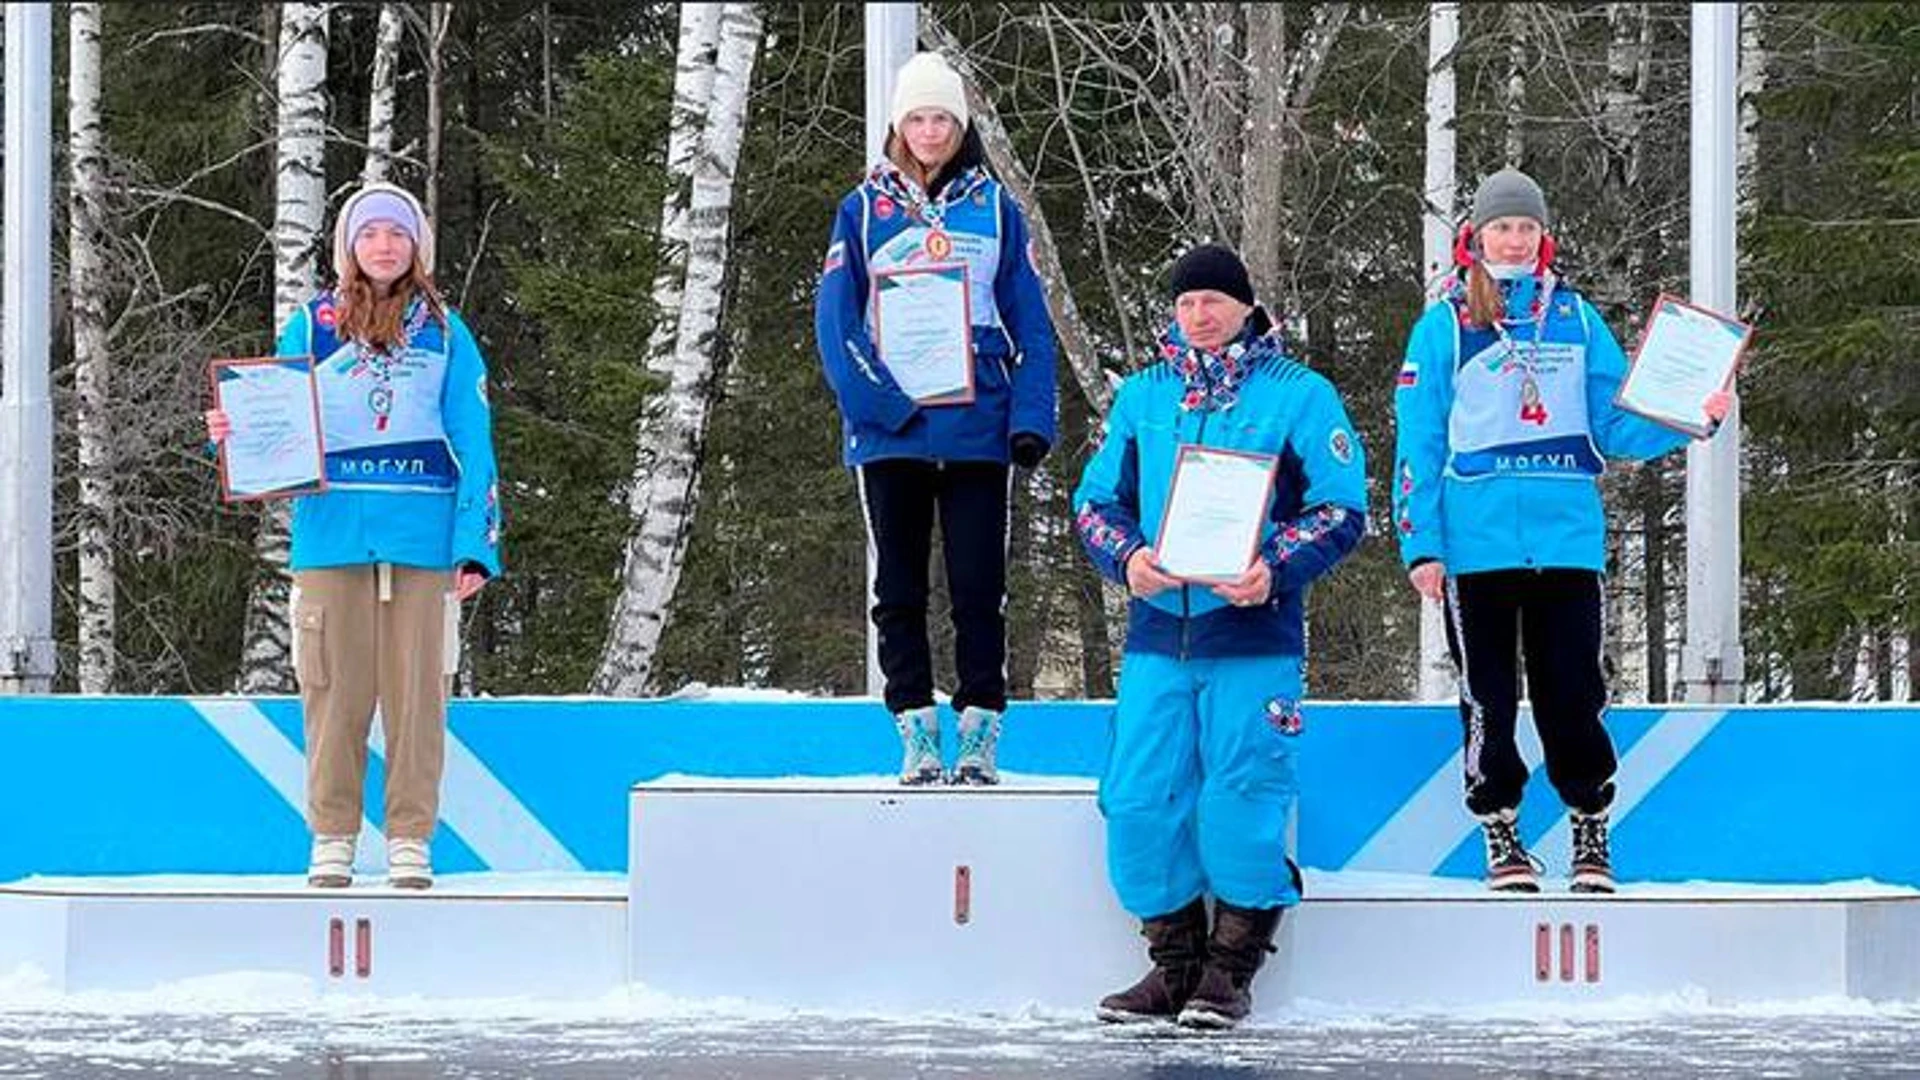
(1211, 266)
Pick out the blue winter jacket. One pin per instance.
(1012, 333)
(410, 467)
(1500, 445)
(1316, 513)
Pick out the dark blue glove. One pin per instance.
(1027, 449)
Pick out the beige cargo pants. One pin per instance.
(366, 636)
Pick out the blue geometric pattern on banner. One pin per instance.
(215, 785)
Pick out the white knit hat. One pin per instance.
(926, 82)
(380, 201)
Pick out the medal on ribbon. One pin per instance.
(1533, 410)
(380, 400)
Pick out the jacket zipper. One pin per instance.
(1186, 610)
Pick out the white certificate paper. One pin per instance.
(923, 326)
(275, 448)
(1212, 522)
(1686, 354)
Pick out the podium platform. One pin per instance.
(856, 895)
(471, 936)
(863, 895)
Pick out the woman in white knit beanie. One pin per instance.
(929, 203)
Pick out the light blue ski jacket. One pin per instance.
(410, 465)
(1502, 435)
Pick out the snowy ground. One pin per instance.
(243, 1027)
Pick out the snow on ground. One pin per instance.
(245, 1025)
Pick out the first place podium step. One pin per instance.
(861, 895)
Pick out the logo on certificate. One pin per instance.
(939, 245)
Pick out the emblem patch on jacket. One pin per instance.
(1283, 715)
(1341, 445)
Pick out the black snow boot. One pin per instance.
(1592, 857)
(1242, 938)
(1177, 945)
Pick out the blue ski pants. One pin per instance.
(1200, 787)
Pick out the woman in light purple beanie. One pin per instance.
(407, 526)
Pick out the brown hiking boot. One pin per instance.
(1177, 945)
(1242, 938)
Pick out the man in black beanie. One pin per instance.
(1200, 782)
(1211, 266)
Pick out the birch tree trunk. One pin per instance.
(301, 207)
(1075, 341)
(663, 496)
(1434, 674)
(380, 102)
(692, 92)
(93, 370)
(1913, 662)
(1302, 77)
(1752, 83)
(1263, 152)
(439, 18)
(1514, 96)
(1096, 220)
(1636, 594)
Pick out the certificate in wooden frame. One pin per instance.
(1187, 450)
(960, 397)
(1699, 430)
(320, 436)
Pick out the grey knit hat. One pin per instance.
(1509, 193)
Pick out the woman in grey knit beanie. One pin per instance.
(1505, 418)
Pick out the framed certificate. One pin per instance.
(275, 449)
(923, 328)
(1211, 525)
(1686, 354)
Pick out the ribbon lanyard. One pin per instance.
(920, 203)
(1529, 363)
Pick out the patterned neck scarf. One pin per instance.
(1213, 378)
(1531, 294)
(903, 189)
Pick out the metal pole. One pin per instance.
(1436, 233)
(1713, 664)
(26, 412)
(892, 36)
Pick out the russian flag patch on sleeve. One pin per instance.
(836, 255)
(1410, 374)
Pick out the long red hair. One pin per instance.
(372, 319)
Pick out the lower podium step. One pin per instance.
(472, 936)
(866, 896)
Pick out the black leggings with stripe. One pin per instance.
(1553, 620)
(901, 497)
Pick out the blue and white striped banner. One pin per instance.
(217, 785)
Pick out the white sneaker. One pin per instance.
(979, 737)
(920, 740)
(331, 864)
(408, 865)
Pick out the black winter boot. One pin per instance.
(1592, 858)
(1510, 866)
(1177, 945)
(1242, 938)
